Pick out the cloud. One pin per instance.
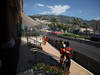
(39, 4)
(45, 12)
(56, 10)
(98, 18)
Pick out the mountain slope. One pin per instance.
(68, 20)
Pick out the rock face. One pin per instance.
(28, 21)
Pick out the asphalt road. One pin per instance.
(88, 50)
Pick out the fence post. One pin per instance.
(27, 38)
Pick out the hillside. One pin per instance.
(60, 18)
(27, 21)
(68, 20)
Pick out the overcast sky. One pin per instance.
(86, 9)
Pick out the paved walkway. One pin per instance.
(75, 68)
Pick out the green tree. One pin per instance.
(53, 25)
(53, 20)
(63, 27)
(77, 22)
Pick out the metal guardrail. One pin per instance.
(89, 42)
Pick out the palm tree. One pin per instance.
(76, 24)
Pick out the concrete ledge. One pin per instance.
(82, 67)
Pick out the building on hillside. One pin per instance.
(84, 30)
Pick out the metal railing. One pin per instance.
(26, 68)
(33, 41)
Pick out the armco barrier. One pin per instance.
(82, 41)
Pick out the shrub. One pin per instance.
(47, 69)
(73, 35)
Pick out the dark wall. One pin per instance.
(3, 22)
(10, 22)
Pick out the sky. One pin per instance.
(85, 9)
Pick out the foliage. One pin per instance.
(52, 70)
(73, 35)
(53, 19)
